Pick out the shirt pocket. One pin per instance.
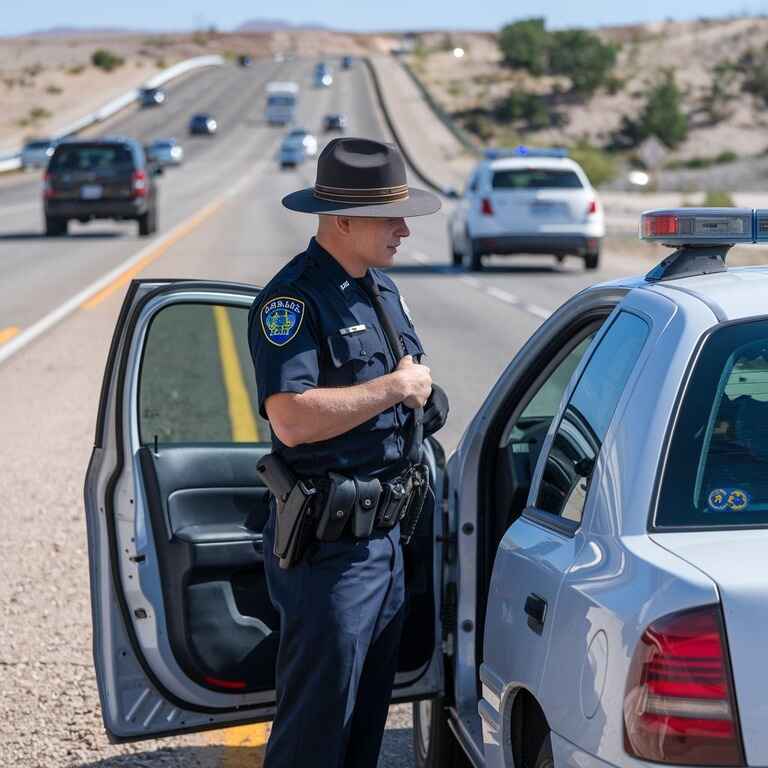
(356, 357)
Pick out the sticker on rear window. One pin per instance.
(734, 499)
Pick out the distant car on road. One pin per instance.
(346, 62)
(323, 76)
(165, 152)
(334, 122)
(37, 153)
(282, 99)
(100, 179)
(296, 147)
(527, 201)
(244, 60)
(152, 97)
(203, 124)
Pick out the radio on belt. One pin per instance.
(702, 236)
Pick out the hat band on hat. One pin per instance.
(362, 196)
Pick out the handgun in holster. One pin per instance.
(294, 522)
(419, 487)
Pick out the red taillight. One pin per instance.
(592, 207)
(139, 184)
(653, 226)
(679, 706)
(48, 192)
(485, 207)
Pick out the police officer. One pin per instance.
(340, 378)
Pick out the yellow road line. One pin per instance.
(241, 416)
(6, 334)
(155, 254)
(244, 745)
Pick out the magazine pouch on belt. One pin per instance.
(339, 505)
(368, 495)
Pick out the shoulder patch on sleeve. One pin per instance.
(281, 319)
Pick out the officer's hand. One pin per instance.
(416, 380)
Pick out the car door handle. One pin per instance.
(536, 608)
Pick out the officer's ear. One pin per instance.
(343, 224)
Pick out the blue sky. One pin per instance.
(366, 15)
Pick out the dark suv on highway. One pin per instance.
(100, 179)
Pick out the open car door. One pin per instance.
(184, 635)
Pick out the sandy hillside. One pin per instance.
(47, 83)
(691, 49)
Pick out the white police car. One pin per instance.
(591, 590)
(527, 201)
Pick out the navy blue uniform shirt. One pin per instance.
(314, 326)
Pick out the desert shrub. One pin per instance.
(662, 116)
(106, 60)
(35, 115)
(718, 199)
(575, 53)
(717, 100)
(525, 44)
(54, 90)
(754, 67)
(599, 165)
(76, 70)
(531, 107)
(583, 57)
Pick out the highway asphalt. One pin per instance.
(220, 218)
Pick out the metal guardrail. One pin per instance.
(12, 161)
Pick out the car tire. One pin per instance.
(545, 758)
(457, 256)
(474, 256)
(434, 744)
(592, 260)
(55, 227)
(148, 222)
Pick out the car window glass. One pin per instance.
(717, 471)
(92, 158)
(535, 178)
(582, 429)
(197, 383)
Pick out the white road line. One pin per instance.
(501, 295)
(473, 282)
(68, 307)
(533, 309)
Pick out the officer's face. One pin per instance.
(375, 241)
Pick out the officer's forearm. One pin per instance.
(322, 413)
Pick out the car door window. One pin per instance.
(585, 421)
(197, 383)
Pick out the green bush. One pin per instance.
(525, 44)
(54, 90)
(583, 57)
(530, 107)
(106, 60)
(599, 165)
(754, 66)
(718, 200)
(77, 70)
(575, 53)
(662, 116)
(717, 100)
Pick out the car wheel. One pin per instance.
(457, 257)
(147, 223)
(55, 227)
(545, 759)
(592, 260)
(475, 258)
(434, 744)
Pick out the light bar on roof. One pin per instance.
(701, 226)
(496, 153)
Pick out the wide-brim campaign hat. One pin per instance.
(362, 177)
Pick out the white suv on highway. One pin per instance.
(527, 201)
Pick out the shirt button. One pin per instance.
(363, 353)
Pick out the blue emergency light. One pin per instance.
(497, 153)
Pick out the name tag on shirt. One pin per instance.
(353, 329)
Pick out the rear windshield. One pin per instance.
(281, 100)
(535, 178)
(92, 157)
(717, 471)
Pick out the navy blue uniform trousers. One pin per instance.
(341, 615)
